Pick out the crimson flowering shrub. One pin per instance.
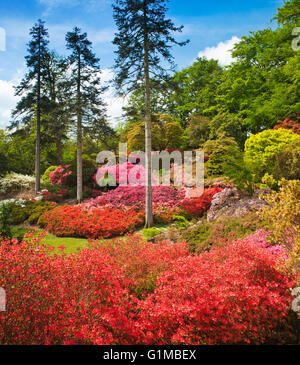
(197, 206)
(60, 175)
(74, 221)
(142, 261)
(235, 294)
(134, 196)
(58, 299)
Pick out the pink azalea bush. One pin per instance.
(134, 196)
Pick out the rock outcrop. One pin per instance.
(232, 203)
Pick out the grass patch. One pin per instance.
(72, 245)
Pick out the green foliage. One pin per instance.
(166, 134)
(194, 90)
(45, 177)
(21, 211)
(149, 233)
(180, 221)
(268, 181)
(229, 125)
(288, 162)
(220, 151)
(198, 130)
(205, 235)
(235, 168)
(5, 212)
(261, 150)
(283, 213)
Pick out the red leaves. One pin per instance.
(73, 221)
(198, 206)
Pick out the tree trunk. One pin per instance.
(38, 127)
(79, 135)
(59, 151)
(148, 147)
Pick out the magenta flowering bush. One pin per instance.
(134, 196)
(60, 175)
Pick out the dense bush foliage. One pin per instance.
(142, 261)
(134, 196)
(232, 295)
(21, 211)
(13, 182)
(283, 213)
(198, 206)
(288, 162)
(206, 235)
(261, 149)
(236, 294)
(291, 122)
(75, 221)
(46, 175)
(220, 151)
(60, 175)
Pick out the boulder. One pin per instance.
(233, 203)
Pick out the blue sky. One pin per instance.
(213, 26)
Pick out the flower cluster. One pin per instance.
(74, 221)
(232, 295)
(55, 197)
(60, 175)
(126, 173)
(130, 292)
(197, 206)
(134, 196)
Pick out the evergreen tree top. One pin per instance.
(139, 21)
(81, 48)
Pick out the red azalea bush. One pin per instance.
(197, 206)
(134, 196)
(142, 261)
(57, 299)
(60, 175)
(74, 221)
(236, 294)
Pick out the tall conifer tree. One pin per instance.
(145, 37)
(31, 87)
(85, 90)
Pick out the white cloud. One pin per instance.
(8, 100)
(114, 103)
(221, 52)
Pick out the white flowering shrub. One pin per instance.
(14, 182)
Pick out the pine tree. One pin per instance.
(57, 117)
(144, 38)
(31, 103)
(85, 90)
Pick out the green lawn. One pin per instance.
(72, 245)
